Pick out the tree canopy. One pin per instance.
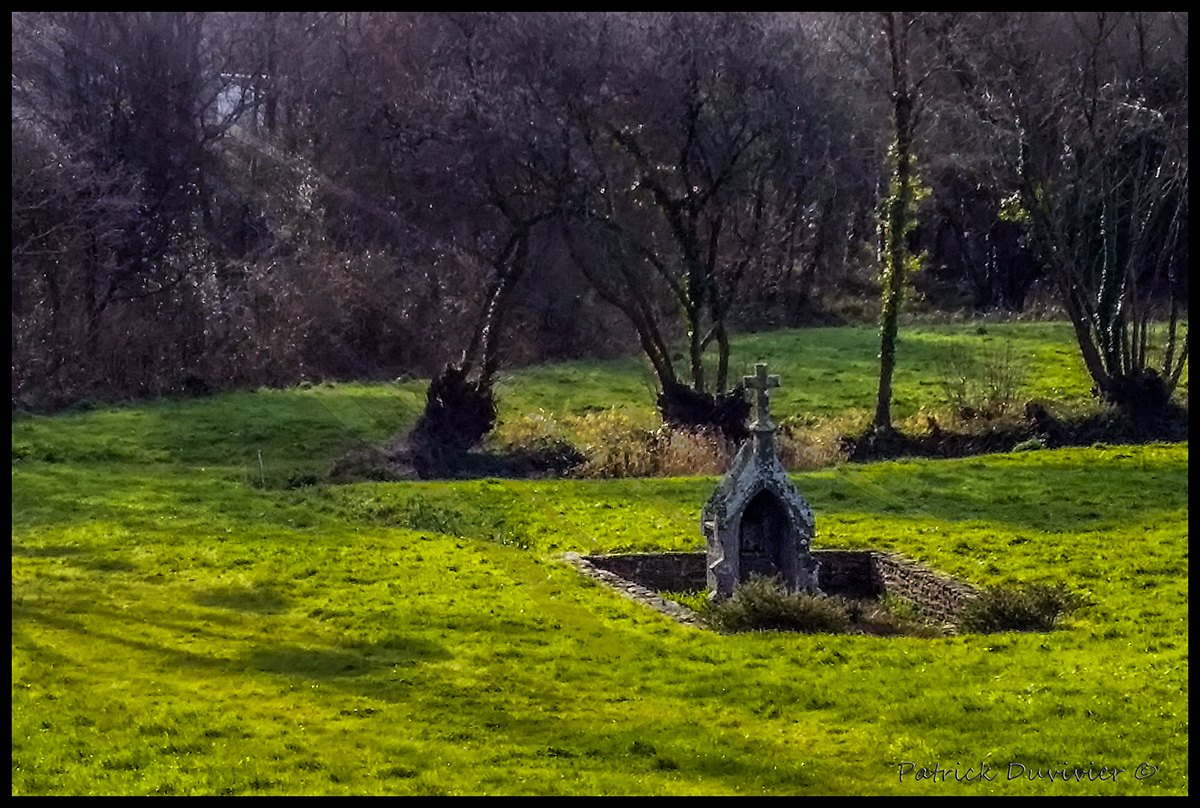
(203, 200)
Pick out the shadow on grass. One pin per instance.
(321, 663)
(242, 599)
(341, 663)
(75, 556)
(49, 551)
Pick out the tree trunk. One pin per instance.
(896, 218)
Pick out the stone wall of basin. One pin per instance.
(850, 573)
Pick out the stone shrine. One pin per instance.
(756, 522)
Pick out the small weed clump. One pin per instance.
(421, 514)
(982, 386)
(696, 601)
(893, 616)
(618, 444)
(534, 434)
(761, 604)
(363, 463)
(1031, 445)
(1033, 608)
(803, 444)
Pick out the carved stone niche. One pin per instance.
(756, 521)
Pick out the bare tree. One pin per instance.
(1087, 114)
(486, 157)
(705, 149)
(128, 101)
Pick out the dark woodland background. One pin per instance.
(212, 200)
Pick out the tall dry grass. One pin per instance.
(622, 442)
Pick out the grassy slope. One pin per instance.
(177, 631)
(826, 371)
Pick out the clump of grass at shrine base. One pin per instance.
(761, 604)
(178, 628)
(1032, 608)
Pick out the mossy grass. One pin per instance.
(179, 628)
(176, 631)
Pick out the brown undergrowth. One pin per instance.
(616, 443)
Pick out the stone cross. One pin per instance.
(759, 386)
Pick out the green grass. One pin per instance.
(297, 431)
(177, 629)
(830, 381)
(825, 371)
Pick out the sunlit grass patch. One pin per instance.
(299, 429)
(827, 372)
(179, 629)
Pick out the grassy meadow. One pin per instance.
(826, 371)
(189, 617)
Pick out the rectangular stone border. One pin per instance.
(852, 573)
(940, 596)
(635, 591)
